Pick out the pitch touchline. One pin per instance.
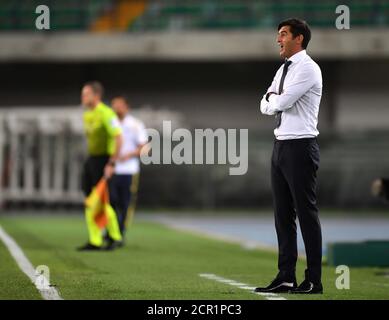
(240, 285)
(26, 266)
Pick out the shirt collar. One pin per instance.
(298, 56)
(99, 105)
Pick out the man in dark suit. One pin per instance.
(293, 99)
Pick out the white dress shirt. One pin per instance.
(299, 101)
(134, 135)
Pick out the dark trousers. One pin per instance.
(93, 172)
(120, 197)
(293, 175)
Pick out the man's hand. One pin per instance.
(264, 106)
(377, 188)
(268, 95)
(109, 170)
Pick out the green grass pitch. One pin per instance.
(156, 263)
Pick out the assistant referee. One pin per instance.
(293, 99)
(104, 140)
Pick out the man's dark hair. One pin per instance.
(122, 97)
(96, 86)
(298, 27)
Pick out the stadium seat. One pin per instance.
(185, 15)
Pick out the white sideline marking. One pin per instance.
(268, 296)
(26, 266)
(247, 288)
(238, 284)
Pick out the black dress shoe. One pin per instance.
(308, 287)
(278, 285)
(88, 247)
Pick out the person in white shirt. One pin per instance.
(293, 99)
(124, 183)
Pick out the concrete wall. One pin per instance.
(185, 46)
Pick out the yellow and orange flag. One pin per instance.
(100, 214)
(97, 202)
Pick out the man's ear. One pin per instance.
(300, 39)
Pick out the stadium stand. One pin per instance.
(141, 15)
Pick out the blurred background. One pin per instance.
(199, 64)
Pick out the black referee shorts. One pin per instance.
(93, 172)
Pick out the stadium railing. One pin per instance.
(42, 151)
(37, 152)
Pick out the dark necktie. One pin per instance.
(281, 87)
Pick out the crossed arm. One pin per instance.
(273, 102)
